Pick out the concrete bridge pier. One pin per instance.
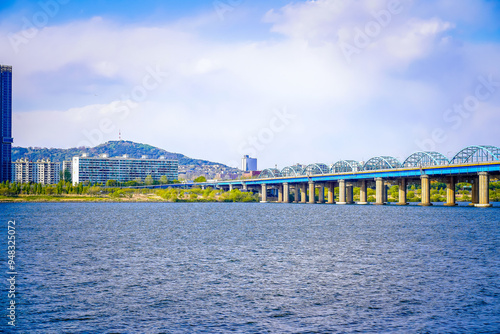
(475, 191)
(402, 192)
(342, 193)
(286, 195)
(363, 199)
(280, 193)
(379, 191)
(321, 197)
(245, 187)
(296, 193)
(349, 194)
(484, 191)
(312, 194)
(303, 193)
(331, 193)
(264, 193)
(426, 190)
(450, 191)
(230, 187)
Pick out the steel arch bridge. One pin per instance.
(345, 166)
(382, 162)
(269, 173)
(292, 171)
(316, 169)
(424, 159)
(472, 154)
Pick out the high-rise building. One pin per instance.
(5, 123)
(42, 171)
(248, 164)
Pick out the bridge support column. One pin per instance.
(484, 191)
(280, 193)
(264, 193)
(426, 190)
(321, 197)
(286, 196)
(303, 193)
(475, 191)
(312, 194)
(450, 191)
(402, 192)
(245, 186)
(379, 196)
(230, 187)
(331, 193)
(362, 193)
(342, 194)
(349, 195)
(296, 193)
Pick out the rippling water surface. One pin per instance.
(254, 268)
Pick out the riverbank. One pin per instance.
(138, 196)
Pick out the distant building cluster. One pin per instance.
(211, 172)
(42, 171)
(122, 169)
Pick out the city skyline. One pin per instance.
(308, 81)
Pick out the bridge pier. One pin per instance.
(342, 193)
(484, 191)
(245, 187)
(331, 192)
(303, 193)
(379, 191)
(321, 197)
(349, 195)
(312, 194)
(264, 193)
(426, 190)
(362, 193)
(402, 192)
(450, 191)
(280, 193)
(286, 195)
(296, 193)
(230, 187)
(475, 191)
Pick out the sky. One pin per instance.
(284, 81)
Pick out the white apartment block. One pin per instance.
(42, 171)
(122, 169)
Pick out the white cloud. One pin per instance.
(218, 94)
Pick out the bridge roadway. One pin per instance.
(304, 186)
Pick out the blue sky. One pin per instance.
(286, 82)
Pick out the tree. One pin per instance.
(200, 179)
(67, 176)
(111, 183)
(149, 180)
(163, 179)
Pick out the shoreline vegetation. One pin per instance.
(66, 192)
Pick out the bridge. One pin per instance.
(473, 164)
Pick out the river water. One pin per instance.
(252, 268)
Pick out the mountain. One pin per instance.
(112, 148)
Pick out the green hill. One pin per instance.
(112, 148)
